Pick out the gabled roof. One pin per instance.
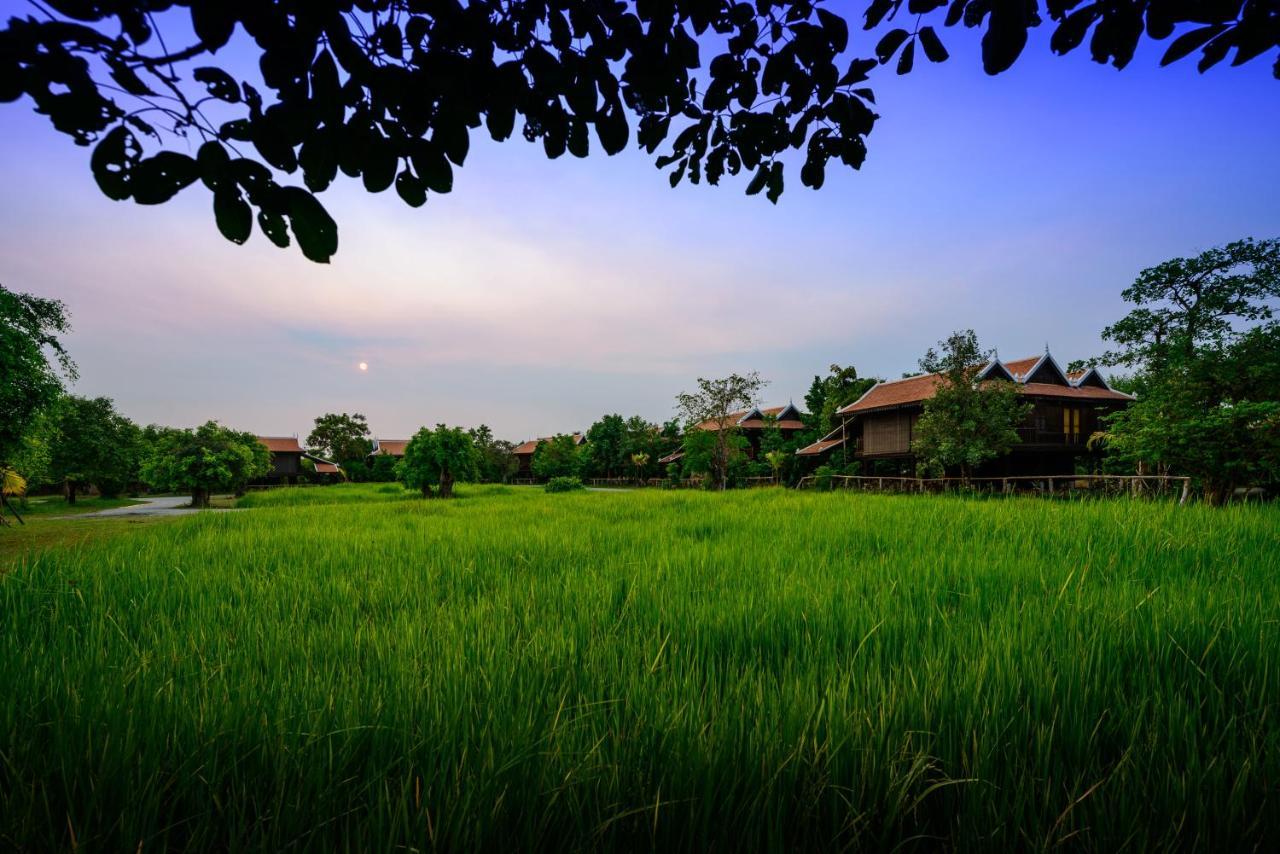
(1038, 376)
(532, 445)
(389, 447)
(281, 444)
(754, 419)
(328, 468)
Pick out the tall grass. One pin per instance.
(648, 670)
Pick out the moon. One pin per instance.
(364, 366)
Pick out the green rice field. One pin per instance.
(354, 668)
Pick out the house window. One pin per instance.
(1070, 421)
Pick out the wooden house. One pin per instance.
(1066, 408)
(525, 450)
(388, 447)
(751, 423)
(286, 459)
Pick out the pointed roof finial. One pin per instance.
(1046, 348)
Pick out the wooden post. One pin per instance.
(1051, 486)
(1186, 491)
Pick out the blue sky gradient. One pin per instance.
(541, 294)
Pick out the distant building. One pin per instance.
(1066, 409)
(286, 459)
(751, 423)
(525, 450)
(389, 448)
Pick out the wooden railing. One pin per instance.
(1150, 486)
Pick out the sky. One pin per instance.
(540, 295)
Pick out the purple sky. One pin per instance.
(541, 294)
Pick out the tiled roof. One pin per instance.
(819, 447)
(920, 388)
(281, 444)
(753, 423)
(532, 445)
(327, 468)
(895, 393)
(671, 458)
(391, 447)
(1019, 367)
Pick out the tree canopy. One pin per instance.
(92, 444)
(32, 364)
(558, 456)
(391, 91)
(340, 437)
(1206, 349)
(967, 421)
(714, 401)
(1186, 303)
(201, 461)
(438, 457)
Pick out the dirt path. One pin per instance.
(172, 505)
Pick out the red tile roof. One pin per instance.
(391, 447)
(917, 389)
(819, 447)
(281, 444)
(754, 423)
(530, 446)
(327, 468)
(1019, 367)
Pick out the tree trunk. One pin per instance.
(446, 484)
(199, 498)
(69, 489)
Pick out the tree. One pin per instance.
(775, 459)
(828, 394)
(438, 457)
(204, 460)
(1216, 418)
(32, 364)
(557, 457)
(1206, 352)
(383, 469)
(607, 446)
(340, 437)
(391, 91)
(1189, 303)
(967, 421)
(497, 463)
(708, 409)
(91, 443)
(640, 461)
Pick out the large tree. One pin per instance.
(1205, 349)
(92, 444)
(496, 462)
(438, 457)
(607, 446)
(967, 421)
(390, 91)
(709, 409)
(204, 460)
(32, 365)
(1185, 304)
(340, 437)
(559, 456)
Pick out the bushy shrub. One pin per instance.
(563, 484)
